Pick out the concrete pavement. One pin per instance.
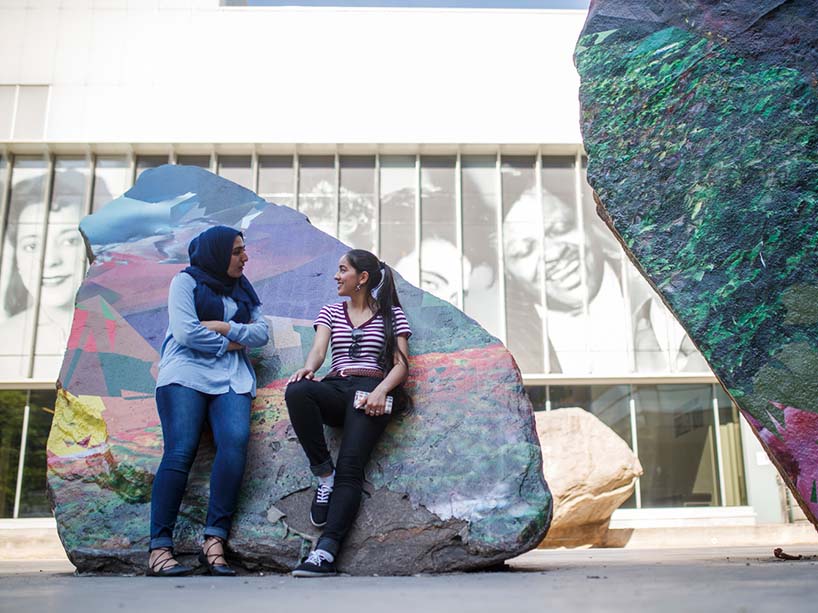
(741, 579)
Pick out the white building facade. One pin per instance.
(445, 140)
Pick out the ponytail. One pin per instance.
(383, 297)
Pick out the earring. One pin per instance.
(358, 287)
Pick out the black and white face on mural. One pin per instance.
(63, 247)
(562, 245)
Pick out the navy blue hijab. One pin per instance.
(210, 254)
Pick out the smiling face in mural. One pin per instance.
(63, 247)
(561, 245)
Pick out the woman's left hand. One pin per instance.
(375, 403)
(220, 327)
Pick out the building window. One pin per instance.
(237, 168)
(685, 435)
(276, 181)
(25, 421)
(357, 202)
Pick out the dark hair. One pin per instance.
(382, 303)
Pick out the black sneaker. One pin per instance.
(320, 505)
(317, 564)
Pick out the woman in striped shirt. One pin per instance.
(370, 350)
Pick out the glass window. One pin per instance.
(12, 405)
(358, 224)
(237, 168)
(611, 404)
(3, 168)
(275, 179)
(440, 260)
(481, 253)
(660, 343)
(522, 240)
(22, 254)
(316, 192)
(735, 489)
(143, 162)
(676, 442)
(398, 182)
(568, 396)
(63, 264)
(607, 324)
(538, 396)
(112, 178)
(33, 498)
(565, 295)
(202, 161)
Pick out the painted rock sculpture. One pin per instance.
(454, 485)
(699, 119)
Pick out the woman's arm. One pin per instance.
(375, 403)
(184, 323)
(253, 334)
(315, 357)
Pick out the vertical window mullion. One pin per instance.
(635, 445)
(543, 293)
(21, 458)
(377, 204)
(296, 177)
(132, 170)
(501, 251)
(583, 271)
(418, 218)
(47, 193)
(717, 435)
(4, 200)
(458, 213)
(337, 162)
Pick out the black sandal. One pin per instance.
(217, 570)
(162, 566)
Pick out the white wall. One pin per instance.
(191, 71)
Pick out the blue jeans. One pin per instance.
(183, 412)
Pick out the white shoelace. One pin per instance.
(322, 493)
(318, 557)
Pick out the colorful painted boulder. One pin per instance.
(456, 484)
(701, 124)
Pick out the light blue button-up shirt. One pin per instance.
(196, 357)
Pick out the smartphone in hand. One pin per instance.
(361, 395)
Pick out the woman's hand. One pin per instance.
(220, 327)
(233, 346)
(301, 373)
(374, 405)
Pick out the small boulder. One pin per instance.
(590, 470)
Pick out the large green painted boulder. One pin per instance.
(699, 119)
(455, 485)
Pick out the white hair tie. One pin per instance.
(378, 287)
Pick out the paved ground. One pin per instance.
(726, 579)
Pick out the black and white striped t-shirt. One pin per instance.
(336, 318)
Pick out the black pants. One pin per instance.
(312, 404)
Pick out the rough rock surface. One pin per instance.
(699, 119)
(455, 485)
(590, 471)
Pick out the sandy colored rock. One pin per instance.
(590, 470)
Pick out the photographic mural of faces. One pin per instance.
(44, 257)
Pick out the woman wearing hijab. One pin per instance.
(205, 376)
